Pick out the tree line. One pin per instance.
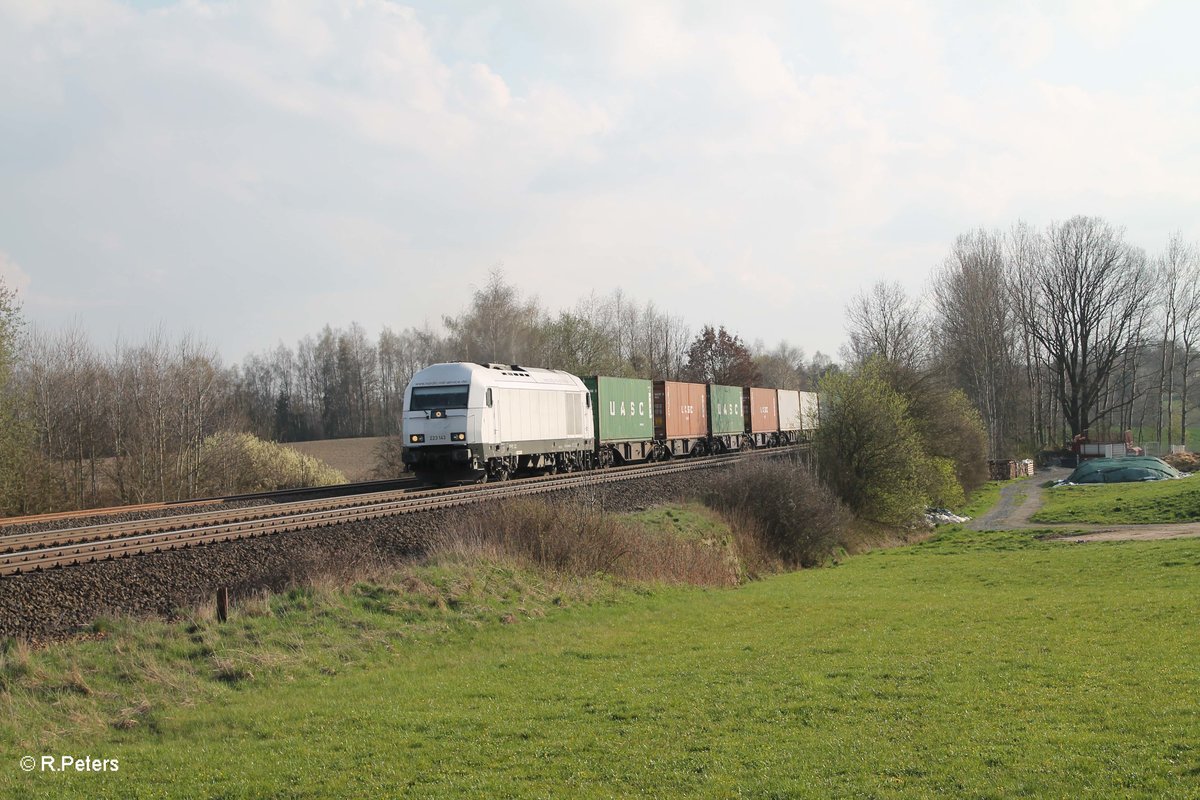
(84, 425)
(339, 383)
(1052, 334)
(1045, 334)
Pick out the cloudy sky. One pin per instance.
(252, 171)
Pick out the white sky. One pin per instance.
(251, 171)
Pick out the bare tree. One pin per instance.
(1024, 247)
(885, 322)
(1184, 266)
(782, 366)
(1087, 291)
(500, 325)
(978, 331)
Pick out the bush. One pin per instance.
(942, 485)
(868, 449)
(389, 459)
(952, 430)
(235, 463)
(799, 518)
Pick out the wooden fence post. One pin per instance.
(222, 604)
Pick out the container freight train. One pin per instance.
(465, 421)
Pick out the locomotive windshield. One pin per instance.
(427, 398)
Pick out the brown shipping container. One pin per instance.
(680, 410)
(762, 410)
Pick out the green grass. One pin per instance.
(692, 521)
(1154, 501)
(973, 665)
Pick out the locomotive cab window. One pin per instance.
(489, 397)
(428, 398)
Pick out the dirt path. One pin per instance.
(1021, 500)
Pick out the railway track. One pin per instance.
(336, 490)
(31, 552)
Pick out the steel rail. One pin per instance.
(111, 530)
(29, 560)
(347, 489)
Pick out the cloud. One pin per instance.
(1105, 22)
(372, 158)
(12, 274)
(1024, 34)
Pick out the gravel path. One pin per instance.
(1020, 500)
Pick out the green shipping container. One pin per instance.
(725, 410)
(622, 409)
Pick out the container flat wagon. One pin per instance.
(761, 409)
(623, 419)
(726, 419)
(681, 418)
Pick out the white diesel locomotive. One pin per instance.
(465, 421)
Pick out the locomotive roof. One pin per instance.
(492, 374)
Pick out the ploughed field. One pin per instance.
(974, 664)
(354, 458)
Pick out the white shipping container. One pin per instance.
(789, 410)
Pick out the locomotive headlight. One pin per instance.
(458, 437)
(417, 438)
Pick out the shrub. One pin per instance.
(942, 485)
(798, 518)
(952, 430)
(389, 458)
(240, 462)
(868, 449)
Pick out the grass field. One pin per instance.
(972, 665)
(1154, 501)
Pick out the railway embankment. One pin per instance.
(60, 602)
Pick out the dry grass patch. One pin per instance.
(784, 513)
(573, 538)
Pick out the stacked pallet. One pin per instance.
(1007, 469)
